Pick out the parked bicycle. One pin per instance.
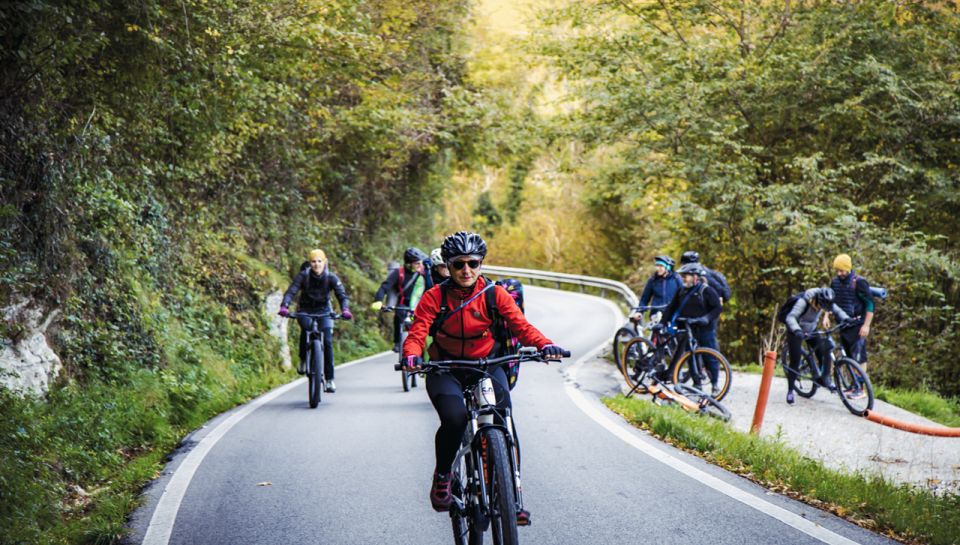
(634, 327)
(850, 381)
(684, 361)
(315, 379)
(647, 381)
(406, 319)
(485, 477)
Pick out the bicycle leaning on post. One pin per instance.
(850, 381)
(485, 476)
(406, 318)
(315, 379)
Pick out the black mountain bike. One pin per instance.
(485, 476)
(406, 319)
(633, 328)
(685, 357)
(850, 381)
(315, 379)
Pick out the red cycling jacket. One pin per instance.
(467, 333)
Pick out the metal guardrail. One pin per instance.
(603, 284)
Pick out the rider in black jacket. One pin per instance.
(313, 284)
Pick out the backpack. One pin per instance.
(875, 291)
(501, 335)
(787, 307)
(717, 281)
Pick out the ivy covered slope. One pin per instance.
(163, 166)
(769, 136)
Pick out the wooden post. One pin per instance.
(769, 365)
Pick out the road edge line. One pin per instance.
(168, 505)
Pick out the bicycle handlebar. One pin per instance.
(525, 354)
(395, 308)
(644, 308)
(825, 332)
(294, 315)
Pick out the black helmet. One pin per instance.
(689, 257)
(462, 243)
(692, 268)
(412, 255)
(665, 260)
(824, 297)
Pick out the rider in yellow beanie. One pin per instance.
(843, 263)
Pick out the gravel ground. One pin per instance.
(823, 429)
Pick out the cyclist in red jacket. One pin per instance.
(466, 333)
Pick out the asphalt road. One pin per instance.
(357, 469)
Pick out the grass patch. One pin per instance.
(896, 510)
(927, 404)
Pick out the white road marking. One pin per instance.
(165, 515)
(626, 434)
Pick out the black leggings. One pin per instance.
(819, 346)
(305, 325)
(446, 394)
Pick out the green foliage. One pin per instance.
(771, 137)
(928, 404)
(165, 165)
(870, 501)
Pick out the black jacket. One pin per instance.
(314, 291)
(392, 284)
(704, 302)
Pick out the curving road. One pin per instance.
(358, 468)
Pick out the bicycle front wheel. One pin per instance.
(620, 340)
(853, 386)
(315, 374)
(404, 376)
(639, 360)
(501, 501)
(699, 375)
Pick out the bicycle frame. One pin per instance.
(481, 402)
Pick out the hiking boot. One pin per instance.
(440, 497)
(396, 347)
(714, 390)
(523, 517)
(790, 399)
(330, 387)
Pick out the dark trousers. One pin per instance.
(853, 344)
(446, 394)
(707, 338)
(326, 326)
(818, 345)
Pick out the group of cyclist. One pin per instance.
(698, 294)
(451, 305)
(692, 292)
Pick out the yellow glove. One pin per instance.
(377, 305)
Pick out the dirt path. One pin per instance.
(822, 428)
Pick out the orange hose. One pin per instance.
(769, 365)
(939, 431)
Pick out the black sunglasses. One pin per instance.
(459, 265)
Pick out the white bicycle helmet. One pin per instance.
(436, 257)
